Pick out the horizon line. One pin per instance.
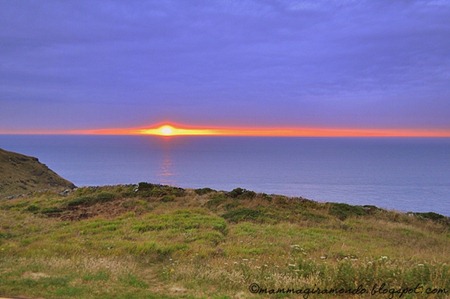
(170, 129)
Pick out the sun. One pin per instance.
(166, 130)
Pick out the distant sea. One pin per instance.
(404, 174)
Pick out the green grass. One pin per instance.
(155, 241)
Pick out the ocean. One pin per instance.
(404, 174)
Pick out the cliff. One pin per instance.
(20, 174)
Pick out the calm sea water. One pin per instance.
(402, 174)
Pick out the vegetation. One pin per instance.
(156, 241)
(20, 175)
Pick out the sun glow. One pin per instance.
(170, 129)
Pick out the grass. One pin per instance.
(22, 174)
(154, 241)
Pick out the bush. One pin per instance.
(91, 200)
(175, 191)
(203, 191)
(142, 186)
(371, 210)
(216, 201)
(153, 190)
(241, 193)
(431, 215)
(83, 200)
(343, 210)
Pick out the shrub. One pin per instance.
(142, 186)
(203, 191)
(343, 211)
(433, 216)
(241, 193)
(153, 190)
(83, 200)
(90, 200)
(176, 191)
(216, 201)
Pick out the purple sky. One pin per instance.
(98, 64)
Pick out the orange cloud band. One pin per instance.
(270, 132)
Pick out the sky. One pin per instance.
(85, 65)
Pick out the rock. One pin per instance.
(65, 192)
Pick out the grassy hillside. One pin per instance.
(20, 174)
(153, 241)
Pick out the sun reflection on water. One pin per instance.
(166, 172)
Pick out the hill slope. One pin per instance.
(156, 241)
(21, 174)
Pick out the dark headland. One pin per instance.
(20, 174)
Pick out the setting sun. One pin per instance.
(169, 130)
(166, 130)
